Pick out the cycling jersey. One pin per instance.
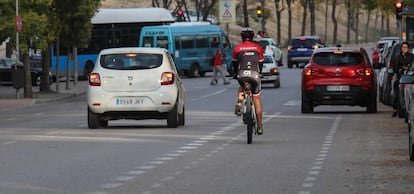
(248, 57)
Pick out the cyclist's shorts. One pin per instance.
(253, 77)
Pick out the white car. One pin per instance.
(270, 71)
(135, 83)
(270, 47)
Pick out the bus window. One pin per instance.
(177, 42)
(201, 42)
(214, 41)
(162, 42)
(187, 42)
(225, 40)
(147, 41)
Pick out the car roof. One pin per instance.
(133, 50)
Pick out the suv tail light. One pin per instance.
(365, 71)
(167, 78)
(309, 71)
(289, 48)
(94, 79)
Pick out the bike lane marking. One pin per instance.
(310, 180)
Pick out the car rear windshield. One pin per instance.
(338, 58)
(131, 61)
(303, 42)
(267, 59)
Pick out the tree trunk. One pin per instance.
(245, 14)
(68, 68)
(45, 84)
(289, 5)
(335, 23)
(349, 21)
(326, 20)
(356, 25)
(28, 93)
(367, 26)
(304, 16)
(278, 23)
(312, 17)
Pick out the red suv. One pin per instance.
(339, 76)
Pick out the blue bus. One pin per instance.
(111, 28)
(192, 45)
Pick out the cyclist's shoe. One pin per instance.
(260, 130)
(237, 109)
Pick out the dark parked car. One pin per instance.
(385, 76)
(300, 49)
(339, 76)
(7, 65)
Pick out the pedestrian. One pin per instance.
(402, 62)
(218, 68)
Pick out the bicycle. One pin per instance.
(248, 111)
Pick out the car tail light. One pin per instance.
(315, 46)
(274, 71)
(289, 48)
(94, 79)
(167, 78)
(309, 71)
(365, 71)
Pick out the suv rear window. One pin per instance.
(338, 59)
(131, 61)
(304, 41)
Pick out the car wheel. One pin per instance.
(37, 80)
(103, 123)
(181, 118)
(307, 106)
(372, 104)
(276, 84)
(172, 118)
(290, 64)
(380, 94)
(194, 71)
(94, 120)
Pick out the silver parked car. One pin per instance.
(135, 83)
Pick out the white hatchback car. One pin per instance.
(270, 71)
(135, 83)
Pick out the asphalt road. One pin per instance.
(47, 148)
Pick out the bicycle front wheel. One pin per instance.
(249, 119)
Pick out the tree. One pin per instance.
(369, 6)
(312, 16)
(164, 3)
(278, 10)
(289, 7)
(34, 31)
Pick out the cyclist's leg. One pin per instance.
(214, 78)
(237, 109)
(257, 100)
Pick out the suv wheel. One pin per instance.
(172, 118)
(290, 64)
(307, 106)
(372, 104)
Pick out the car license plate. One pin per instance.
(337, 88)
(302, 49)
(130, 101)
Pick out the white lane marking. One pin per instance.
(156, 162)
(135, 172)
(111, 185)
(9, 142)
(292, 103)
(124, 178)
(309, 181)
(209, 95)
(146, 167)
(11, 119)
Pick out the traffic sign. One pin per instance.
(19, 23)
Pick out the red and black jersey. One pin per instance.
(248, 55)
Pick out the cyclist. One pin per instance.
(249, 56)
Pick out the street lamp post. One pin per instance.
(17, 44)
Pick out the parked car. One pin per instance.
(270, 72)
(380, 52)
(270, 46)
(300, 49)
(406, 84)
(339, 76)
(387, 75)
(8, 64)
(135, 83)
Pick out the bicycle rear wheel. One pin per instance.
(249, 119)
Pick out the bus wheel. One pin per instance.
(194, 71)
(202, 74)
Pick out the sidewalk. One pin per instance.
(8, 94)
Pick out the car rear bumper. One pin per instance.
(355, 96)
(299, 59)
